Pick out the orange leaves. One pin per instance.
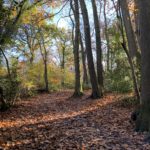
(55, 121)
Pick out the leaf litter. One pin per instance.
(57, 122)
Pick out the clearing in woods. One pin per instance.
(55, 121)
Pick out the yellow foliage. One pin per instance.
(3, 71)
(36, 16)
(29, 85)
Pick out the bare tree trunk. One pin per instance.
(7, 63)
(95, 90)
(107, 37)
(78, 88)
(85, 74)
(63, 66)
(3, 104)
(44, 56)
(128, 28)
(98, 46)
(132, 70)
(31, 58)
(30, 46)
(136, 18)
(45, 76)
(143, 121)
(135, 84)
(131, 46)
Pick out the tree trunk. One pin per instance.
(143, 121)
(63, 66)
(3, 104)
(107, 37)
(85, 74)
(132, 71)
(78, 88)
(136, 18)
(128, 28)
(93, 78)
(44, 56)
(7, 63)
(98, 46)
(45, 69)
(46, 76)
(31, 58)
(135, 84)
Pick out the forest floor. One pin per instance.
(57, 122)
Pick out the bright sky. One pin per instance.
(63, 20)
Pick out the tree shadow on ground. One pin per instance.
(76, 124)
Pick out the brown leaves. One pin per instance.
(55, 121)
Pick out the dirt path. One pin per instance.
(55, 122)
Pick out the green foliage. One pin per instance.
(27, 77)
(31, 77)
(26, 89)
(118, 78)
(69, 80)
(10, 86)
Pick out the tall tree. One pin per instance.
(27, 38)
(128, 27)
(127, 49)
(95, 90)
(83, 53)
(76, 41)
(44, 54)
(63, 65)
(98, 46)
(143, 122)
(63, 40)
(136, 20)
(30, 39)
(107, 36)
(132, 47)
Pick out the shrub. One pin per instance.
(129, 101)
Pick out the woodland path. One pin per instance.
(57, 122)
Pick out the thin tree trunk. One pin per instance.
(46, 76)
(98, 46)
(45, 69)
(143, 121)
(44, 56)
(128, 28)
(95, 90)
(30, 46)
(136, 18)
(63, 65)
(31, 59)
(124, 45)
(85, 74)
(136, 89)
(107, 37)
(3, 105)
(132, 70)
(77, 91)
(7, 63)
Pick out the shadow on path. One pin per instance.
(52, 121)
